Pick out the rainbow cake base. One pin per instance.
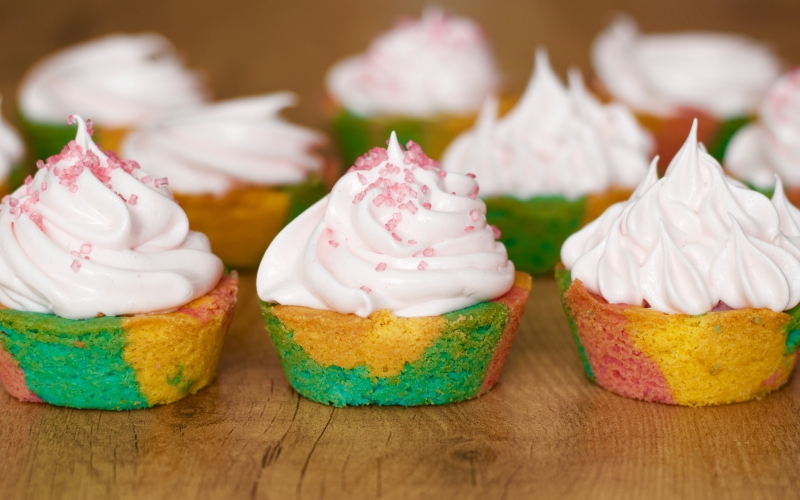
(48, 139)
(342, 359)
(533, 230)
(243, 222)
(116, 363)
(709, 359)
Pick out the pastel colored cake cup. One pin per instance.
(708, 359)
(342, 359)
(533, 230)
(243, 222)
(116, 363)
(47, 139)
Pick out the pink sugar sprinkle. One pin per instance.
(132, 200)
(44, 186)
(37, 219)
(333, 243)
(366, 289)
(397, 216)
(472, 196)
(56, 172)
(120, 196)
(86, 248)
(13, 202)
(469, 228)
(39, 164)
(411, 207)
(424, 189)
(380, 267)
(496, 232)
(90, 127)
(73, 188)
(412, 242)
(76, 266)
(35, 197)
(362, 179)
(427, 206)
(146, 179)
(471, 176)
(394, 235)
(162, 182)
(378, 200)
(70, 120)
(28, 180)
(428, 252)
(474, 215)
(442, 174)
(422, 265)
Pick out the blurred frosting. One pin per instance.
(214, 147)
(439, 64)
(690, 242)
(119, 80)
(722, 74)
(395, 233)
(770, 146)
(12, 149)
(91, 235)
(556, 141)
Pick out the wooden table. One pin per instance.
(544, 431)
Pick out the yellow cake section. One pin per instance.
(597, 203)
(382, 342)
(240, 224)
(109, 138)
(175, 354)
(715, 358)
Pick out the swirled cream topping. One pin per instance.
(691, 242)
(556, 141)
(395, 233)
(214, 147)
(93, 234)
(439, 64)
(770, 146)
(118, 80)
(12, 150)
(724, 75)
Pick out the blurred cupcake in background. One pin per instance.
(424, 79)
(12, 155)
(121, 81)
(553, 163)
(239, 170)
(669, 79)
(771, 146)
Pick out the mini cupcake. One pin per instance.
(426, 79)
(109, 301)
(238, 169)
(12, 154)
(121, 81)
(392, 290)
(553, 163)
(770, 147)
(669, 79)
(687, 293)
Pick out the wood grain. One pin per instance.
(545, 431)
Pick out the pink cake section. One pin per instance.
(616, 363)
(13, 378)
(223, 297)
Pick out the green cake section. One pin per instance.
(727, 129)
(451, 369)
(76, 363)
(793, 330)
(47, 139)
(533, 230)
(564, 280)
(356, 134)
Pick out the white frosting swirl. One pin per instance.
(118, 80)
(395, 233)
(214, 147)
(690, 242)
(556, 141)
(12, 150)
(724, 75)
(439, 64)
(770, 146)
(87, 235)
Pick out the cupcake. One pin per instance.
(770, 147)
(425, 78)
(238, 169)
(553, 163)
(121, 81)
(12, 154)
(392, 290)
(108, 300)
(687, 293)
(669, 79)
